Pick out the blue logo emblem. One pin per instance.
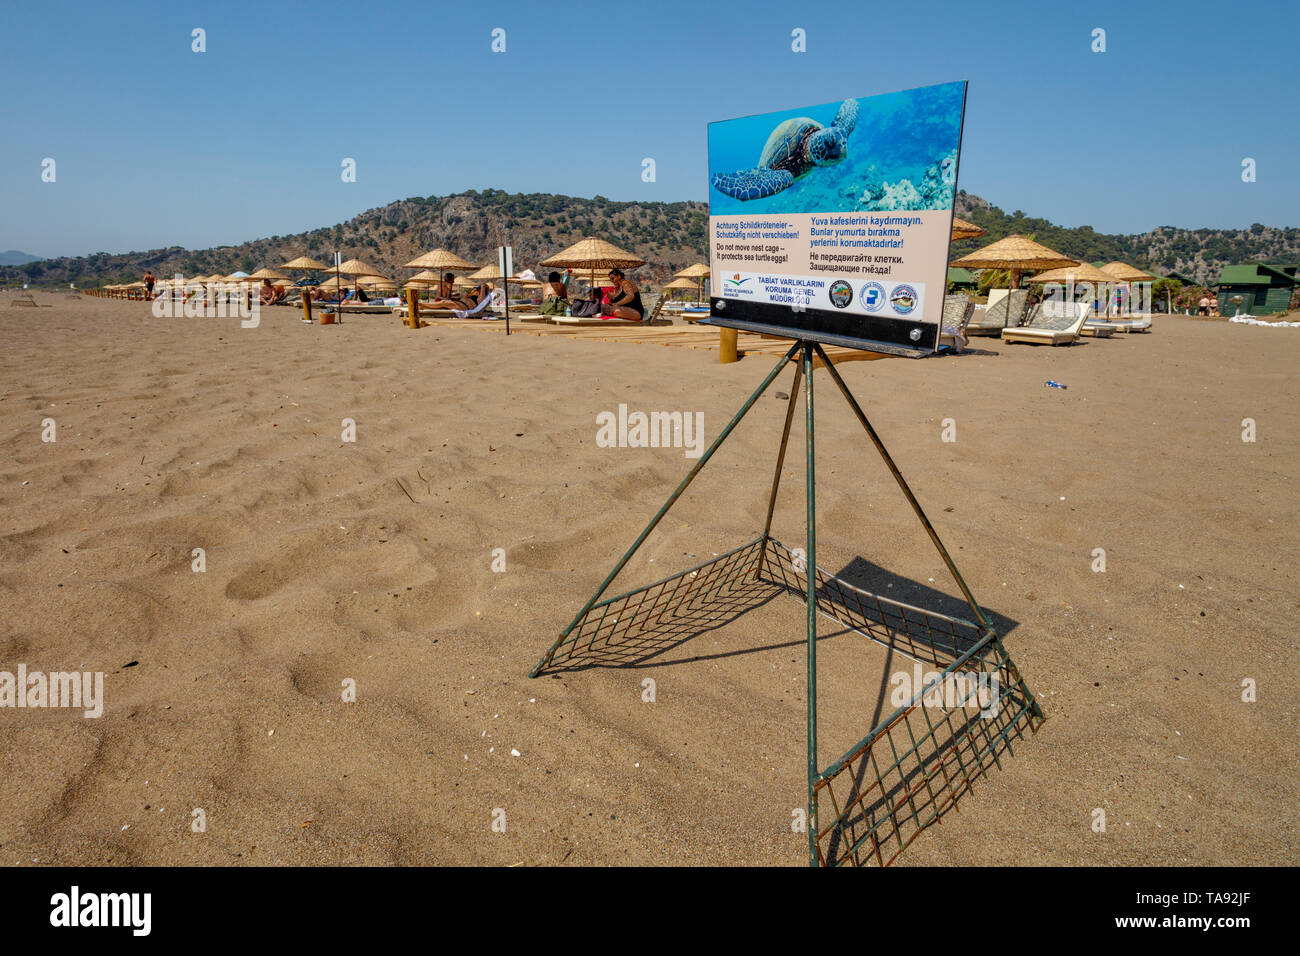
(872, 296)
(903, 299)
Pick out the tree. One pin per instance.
(1166, 289)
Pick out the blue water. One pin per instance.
(898, 137)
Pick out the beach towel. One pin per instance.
(497, 298)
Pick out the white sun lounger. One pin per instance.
(1051, 327)
(1140, 324)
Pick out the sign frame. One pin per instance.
(894, 335)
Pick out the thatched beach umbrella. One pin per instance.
(681, 283)
(492, 273)
(961, 229)
(442, 260)
(1083, 272)
(591, 254)
(1015, 253)
(1126, 273)
(271, 274)
(439, 261)
(332, 284)
(377, 283)
(699, 272)
(304, 264)
(354, 268)
(1073, 275)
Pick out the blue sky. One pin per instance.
(157, 145)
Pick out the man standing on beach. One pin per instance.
(149, 280)
(1203, 307)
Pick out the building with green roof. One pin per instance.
(1264, 290)
(961, 280)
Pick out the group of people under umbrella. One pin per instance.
(454, 283)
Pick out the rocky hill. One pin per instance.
(669, 236)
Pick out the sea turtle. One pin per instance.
(793, 150)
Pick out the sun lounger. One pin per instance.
(957, 312)
(428, 313)
(1138, 324)
(649, 319)
(1003, 312)
(1058, 326)
(594, 320)
(359, 308)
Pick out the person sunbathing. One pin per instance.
(267, 294)
(445, 297)
(625, 298)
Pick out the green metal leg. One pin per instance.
(704, 459)
(810, 572)
(907, 492)
(780, 463)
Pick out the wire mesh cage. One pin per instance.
(916, 763)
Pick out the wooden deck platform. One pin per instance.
(677, 336)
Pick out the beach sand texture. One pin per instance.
(195, 433)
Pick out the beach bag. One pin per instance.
(585, 307)
(553, 305)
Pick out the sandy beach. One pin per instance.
(372, 561)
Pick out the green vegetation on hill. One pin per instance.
(669, 236)
(1199, 254)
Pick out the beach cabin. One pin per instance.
(960, 280)
(1264, 290)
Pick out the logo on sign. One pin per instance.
(903, 299)
(841, 294)
(736, 280)
(872, 297)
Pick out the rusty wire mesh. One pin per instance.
(909, 770)
(913, 768)
(642, 624)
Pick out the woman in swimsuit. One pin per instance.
(625, 298)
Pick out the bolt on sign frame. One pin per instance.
(916, 763)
